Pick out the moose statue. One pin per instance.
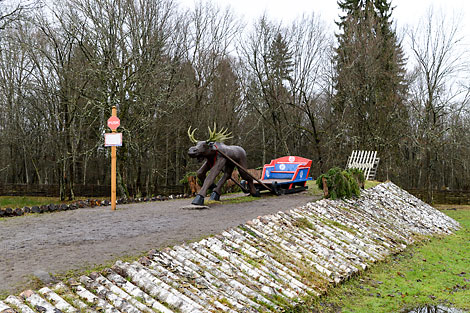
(218, 157)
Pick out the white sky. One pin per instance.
(406, 12)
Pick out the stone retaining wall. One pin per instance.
(259, 266)
(79, 204)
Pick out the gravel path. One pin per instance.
(84, 238)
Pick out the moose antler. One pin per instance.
(191, 134)
(219, 136)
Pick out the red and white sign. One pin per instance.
(113, 139)
(114, 122)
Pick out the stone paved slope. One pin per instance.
(257, 266)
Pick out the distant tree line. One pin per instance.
(282, 89)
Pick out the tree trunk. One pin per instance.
(325, 187)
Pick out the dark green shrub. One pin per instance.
(342, 183)
(184, 180)
(358, 176)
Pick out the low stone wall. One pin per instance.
(261, 265)
(89, 203)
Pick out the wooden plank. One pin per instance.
(352, 158)
(363, 159)
(366, 164)
(357, 159)
(371, 166)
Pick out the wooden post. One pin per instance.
(325, 187)
(113, 169)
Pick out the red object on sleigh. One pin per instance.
(288, 174)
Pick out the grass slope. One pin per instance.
(429, 273)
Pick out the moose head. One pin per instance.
(206, 149)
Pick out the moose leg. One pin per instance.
(202, 171)
(215, 195)
(201, 174)
(249, 180)
(247, 177)
(215, 170)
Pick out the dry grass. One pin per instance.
(444, 207)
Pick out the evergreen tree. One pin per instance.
(369, 77)
(280, 59)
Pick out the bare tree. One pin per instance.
(8, 14)
(438, 92)
(210, 34)
(284, 70)
(268, 65)
(310, 43)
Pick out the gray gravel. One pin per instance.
(84, 238)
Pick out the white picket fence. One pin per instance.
(367, 161)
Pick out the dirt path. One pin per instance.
(84, 238)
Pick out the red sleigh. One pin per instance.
(288, 174)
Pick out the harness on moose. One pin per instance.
(212, 160)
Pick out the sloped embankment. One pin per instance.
(258, 266)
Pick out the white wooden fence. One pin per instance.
(367, 161)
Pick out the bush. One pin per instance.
(342, 183)
(184, 180)
(358, 176)
(227, 188)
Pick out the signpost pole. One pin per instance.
(113, 168)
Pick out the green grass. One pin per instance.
(429, 273)
(313, 189)
(238, 199)
(20, 202)
(303, 223)
(371, 183)
(338, 225)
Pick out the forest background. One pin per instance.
(297, 88)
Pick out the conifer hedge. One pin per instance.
(342, 183)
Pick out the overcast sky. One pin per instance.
(406, 11)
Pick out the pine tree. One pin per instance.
(280, 59)
(370, 76)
